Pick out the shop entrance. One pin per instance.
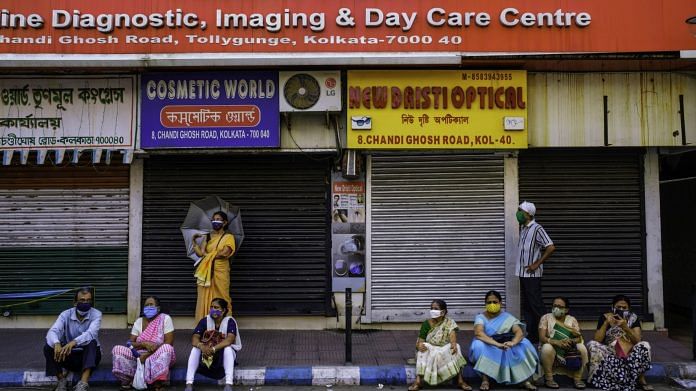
(678, 213)
(282, 266)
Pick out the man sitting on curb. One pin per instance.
(72, 344)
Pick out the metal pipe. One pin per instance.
(349, 321)
(606, 121)
(681, 119)
(691, 178)
(693, 320)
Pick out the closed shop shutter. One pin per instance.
(64, 227)
(282, 266)
(590, 203)
(437, 232)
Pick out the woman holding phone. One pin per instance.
(618, 356)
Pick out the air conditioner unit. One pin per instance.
(310, 91)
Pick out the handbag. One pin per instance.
(504, 337)
(210, 338)
(573, 360)
(139, 377)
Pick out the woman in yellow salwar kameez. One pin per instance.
(213, 271)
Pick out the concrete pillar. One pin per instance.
(653, 237)
(512, 195)
(367, 318)
(135, 236)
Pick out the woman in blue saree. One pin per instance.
(499, 349)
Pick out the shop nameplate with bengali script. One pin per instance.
(67, 113)
(437, 109)
(210, 110)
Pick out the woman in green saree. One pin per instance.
(439, 357)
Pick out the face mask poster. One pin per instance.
(210, 110)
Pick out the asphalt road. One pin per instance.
(658, 387)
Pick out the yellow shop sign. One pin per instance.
(437, 109)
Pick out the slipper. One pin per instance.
(646, 387)
(125, 387)
(529, 386)
(414, 387)
(579, 384)
(485, 386)
(464, 387)
(551, 384)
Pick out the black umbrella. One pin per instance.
(198, 221)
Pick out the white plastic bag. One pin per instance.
(684, 383)
(139, 378)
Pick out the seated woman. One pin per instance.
(216, 342)
(152, 338)
(618, 357)
(439, 357)
(562, 349)
(499, 349)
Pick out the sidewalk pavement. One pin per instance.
(299, 357)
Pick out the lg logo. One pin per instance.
(330, 84)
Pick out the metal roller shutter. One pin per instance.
(282, 266)
(64, 227)
(437, 231)
(590, 203)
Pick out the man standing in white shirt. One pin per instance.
(72, 342)
(534, 248)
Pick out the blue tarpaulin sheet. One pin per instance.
(32, 295)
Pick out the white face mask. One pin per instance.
(435, 313)
(558, 312)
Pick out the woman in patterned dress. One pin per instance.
(618, 356)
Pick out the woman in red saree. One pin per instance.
(153, 337)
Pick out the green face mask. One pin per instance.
(521, 218)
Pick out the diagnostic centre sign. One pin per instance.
(291, 26)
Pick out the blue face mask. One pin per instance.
(150, 312)
(218, 224)
(215, 313)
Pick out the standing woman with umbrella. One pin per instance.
(213, 271)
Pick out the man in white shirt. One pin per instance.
(72, 342)
(534, 248)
